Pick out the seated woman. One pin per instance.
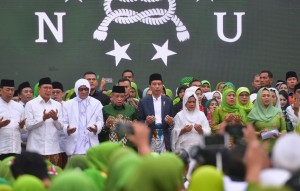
(284, 103)
(228, 112)
(275, 98)
(190, 124)
(209, 108)
(243, 99)
(266, 117)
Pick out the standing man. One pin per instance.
(83, 120)
(11, 121)
(157, 112)
(266, 78)
(25, 93)
(255, 84)
(57, 92)
(128, 74)
(118, 111)
(127, 85)
(291, 81)
(43, 123)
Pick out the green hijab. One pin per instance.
(225, 106)
(99, 155)
(259, 112)
(164, 172)
(248, 106)
(218, 85)
(5, 188)
(73, 180)
(229, 85)
(78, 161)
(134, 86)
(36, 90)
(206, 82)
(98, 178)
(206, 178)
(5, 172)
(121, 168)
(28, 183)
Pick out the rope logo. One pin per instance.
(150, 17)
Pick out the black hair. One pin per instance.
(89, 72)
(124, 80)
(194, 80)
(127, 70)
(270, 75)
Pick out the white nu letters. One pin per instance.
(220, 26)
(57, 32)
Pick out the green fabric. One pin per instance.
(207, 104)
(254, 187)
(9, 160)
(297, 128)
(5, 172)
(225, 106)
(259, 112)
(277, 122)
(36, 90)
(206, 82)
(134, 86)
(28, 183)
(176, 100)
(4, 181)
(248, 106)
(206, 178)
(100, 155)
(98, 178)
(5, 188)
(73, 180)
(169, 93)
(108, 92)
(69, 93)
(121, 168)
(78, 161)
(229, 85)
(186, 81)
(157, 173)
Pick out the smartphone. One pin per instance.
(216, 141)
(123, 129)
(108, 80)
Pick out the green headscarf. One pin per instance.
(5, 172)
(99, 155)
(78, 161)
(121, 168)
(134, 86)
(4, 181)
(5, 188)
(248, 106)
(28, 183)
(206, 178)
(98, 178)
(206, 82)
(259, 112)
(186, 81)
(218, 85)
(73, 180)
(164, 173)
(36, 90)
(229, 85)
(169, 93)
(225, 106)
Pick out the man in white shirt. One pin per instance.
(293, 110)
(43, 123)
(83, 120)
(11, 121)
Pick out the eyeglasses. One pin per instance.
(56, 92)
(83, 89)
(244, 95)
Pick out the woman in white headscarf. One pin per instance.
(190, 124)
(275, 98)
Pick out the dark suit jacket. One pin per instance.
(146, 107)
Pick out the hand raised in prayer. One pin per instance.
(46, 115)
(93, 129)
(150, 119)
(198, 128)
(71, 130)
(22, 123)
(186, 129)
(54, 114)
(3, 123)
(169, 120)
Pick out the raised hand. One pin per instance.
(3, 123)
(71, 130)
(22, 123)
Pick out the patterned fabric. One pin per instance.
(157, 140)
(133, 102)
(55, 159)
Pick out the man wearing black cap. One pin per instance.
(293, 110)
(57, 91)
(83, 120)
(117, 111)
(157, 112)
(291, 81)
(12, 121)
(25, 93)
(43, 123)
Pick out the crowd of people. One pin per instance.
(126, 139)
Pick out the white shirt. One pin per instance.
(43, 136)
(82, 139)
(293, 118)
(157, 109)
(10, 135)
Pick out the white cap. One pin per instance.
(274, 177)
(253, 97)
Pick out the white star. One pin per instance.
(119, 52)
(163, 52)
(68, 0)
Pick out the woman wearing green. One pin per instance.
(229, 112)
(243, 99)
(265, 117)
(28, 183)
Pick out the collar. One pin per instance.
(40, 99)
(118, 108)
(158, 99)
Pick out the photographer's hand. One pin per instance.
(140, 138)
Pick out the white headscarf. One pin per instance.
(278, 98)
(192, 89)
(81, 82)
(190, 117)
